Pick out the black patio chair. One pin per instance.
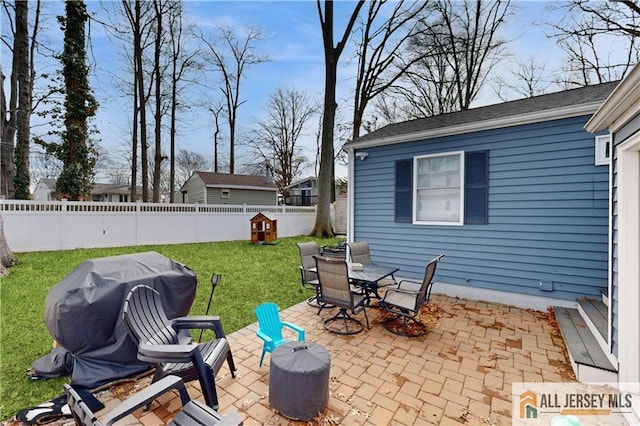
(359, 252)
(405, 301)
(192, 413)
(335, 289)
(159, 342)
(308, 275)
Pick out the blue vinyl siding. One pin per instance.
(547, 213)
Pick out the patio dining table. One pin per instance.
(369, 277)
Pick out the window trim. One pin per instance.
(461, 194)
(225, 193)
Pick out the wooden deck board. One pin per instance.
(597, 313)
(580, 342)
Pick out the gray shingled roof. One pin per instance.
(520, 107)
(211, 178)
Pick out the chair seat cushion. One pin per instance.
(401, 300)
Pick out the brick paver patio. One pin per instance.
(460, 373)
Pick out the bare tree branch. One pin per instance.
(231, 55)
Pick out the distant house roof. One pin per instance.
(301, 181)
(552, 106)
(51, 183)
(107, 188)
(227, 180)
(97, 189)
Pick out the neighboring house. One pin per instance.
(510, 193)
(45, 190)
(302, 193)
(223, 188)
(104, 192)
(107, 192)
(620, 115)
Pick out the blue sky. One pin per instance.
(292, 40)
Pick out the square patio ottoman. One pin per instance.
(299, 380)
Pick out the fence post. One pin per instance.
(64, 222)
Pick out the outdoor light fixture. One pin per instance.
(362, 155)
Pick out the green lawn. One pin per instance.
(250, 276)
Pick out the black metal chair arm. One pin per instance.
(140, 399)
(399, 290)
(414, 282)
(199, 322)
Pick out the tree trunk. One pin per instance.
(172, 172)
(326, 187)
(7, 258)
(142, 102)
(21, 53)
(157, 163)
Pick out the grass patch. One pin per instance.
(250, 275)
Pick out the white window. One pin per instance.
(225, 193)
(603, 150)
(439, 189)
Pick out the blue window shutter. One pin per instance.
(404, 191)
(476, 187)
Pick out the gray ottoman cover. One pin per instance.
(299, 379)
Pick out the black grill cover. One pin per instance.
(83, 312)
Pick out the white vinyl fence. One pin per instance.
(62, 225)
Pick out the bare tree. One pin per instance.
(384, 35)
(17, 109)
(25, 87)
(181, 61)
(140, 19)
(528, 78)
(159, 8)
(44, 166)
(216, 109)
(322, 226)
(277, 136)
(188, 163)
(388, 109)
(464, 45)
(231, 55)
(615, 16)
(600, 40)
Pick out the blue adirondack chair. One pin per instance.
(270, 328)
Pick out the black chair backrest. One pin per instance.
(427, 282)
(339, 251)
(145, 317)
(81, 413)
(307, 252)
(333, 276)
(359, 252)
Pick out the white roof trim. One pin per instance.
(620, 106)
(477, 126)
(257, 188)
